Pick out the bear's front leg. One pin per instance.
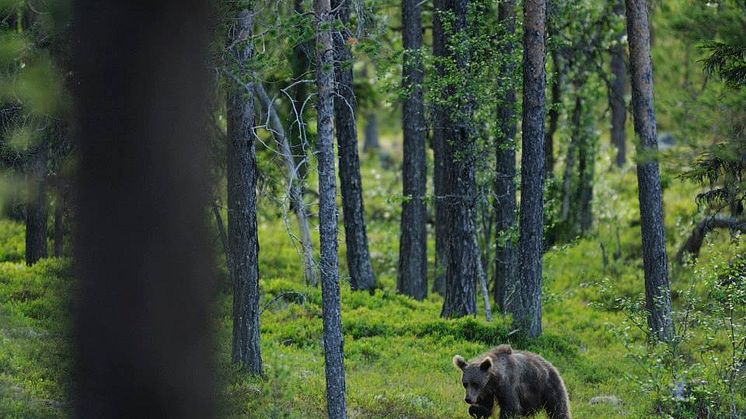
(479, 411)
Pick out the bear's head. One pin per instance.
(475, 377)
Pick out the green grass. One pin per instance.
(398, 351)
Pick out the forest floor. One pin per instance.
(398, 351)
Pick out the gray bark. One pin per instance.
(572, 151)
(241, 181)
(586, 168)
(616, 94)
(505, 205)
(526, 308)
(370, 132)
(460, 184)
(299, 64)
(657, 289)
(329, 264)
(294, 185)
(358, 256)
(439, 166)
(37, 207)
(143, 319)
(412, 277)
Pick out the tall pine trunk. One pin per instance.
(329, 263)
(655, 261)
(439, 166)
(616, 94)
(505, 251)
(412, 278)
(299, 65)
(554, 113)
(241, 180)
(37, 206)
(358, 256)
(527, 307)
(460, 180)
(143, 318)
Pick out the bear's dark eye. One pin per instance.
(465, 385)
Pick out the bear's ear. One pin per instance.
(486, 364)
(459, 362)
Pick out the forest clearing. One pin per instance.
(307, 209)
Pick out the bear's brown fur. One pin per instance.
(522, 383)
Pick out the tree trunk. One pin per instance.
(554, 114)
(358, 257)
(657, 289)
(616, 94)
(693, 243)
(223, 238)
(439, 166)
(36, 207)
(460, 182)
(505, 252)
(572, 150)
(143, 319)
(412, 278)
(59, 219)
(299, 66)
(527, 307)
(294, 185)
(241, 181)
(333, 341)
(586, 166)
(370, 133)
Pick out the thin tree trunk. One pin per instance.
(412, 278)
(59, 219)
(527, 307)
(36, 207)
(370, 132)
(482, 276)
(572, 151)
(460, 184)
(299, 65)
(439, 167)
(586, 166)
(554, 114)
(616, 94)
(242, 227)
(505, 252)
(294, 185)
(143, 314)
(223, 238)
(657, 289)
(358, 256)
(333, 349)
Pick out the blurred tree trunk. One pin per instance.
(439, 167)
(616, 93)
(370, 132)
(657, 289)
(241, 180)
(505, 253)
(554, 113)
(572, 152)
(358, 256)
(526, 308)
(460, 181)
(299, 65)
(142, 329)
(333, 341)
(412, 278)
(37, 205)
(586, 168)
(59, 218)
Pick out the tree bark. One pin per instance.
(439, 166)
(657, 289)
(505, 205)
(460, 182)
(527, 307)
(572, 151)
(586, 167)
(554, 114)
(412, 278)
(299, 65)
(358, 256)
(142, 321)
(294, 185)
(37, 206)
(370, 133)
(333, 341)
(241, 181)
(616, 94)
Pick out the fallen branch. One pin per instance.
(693, 244)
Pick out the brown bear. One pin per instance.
(522, 383)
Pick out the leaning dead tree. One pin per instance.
(693, 243)
(294, 186)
